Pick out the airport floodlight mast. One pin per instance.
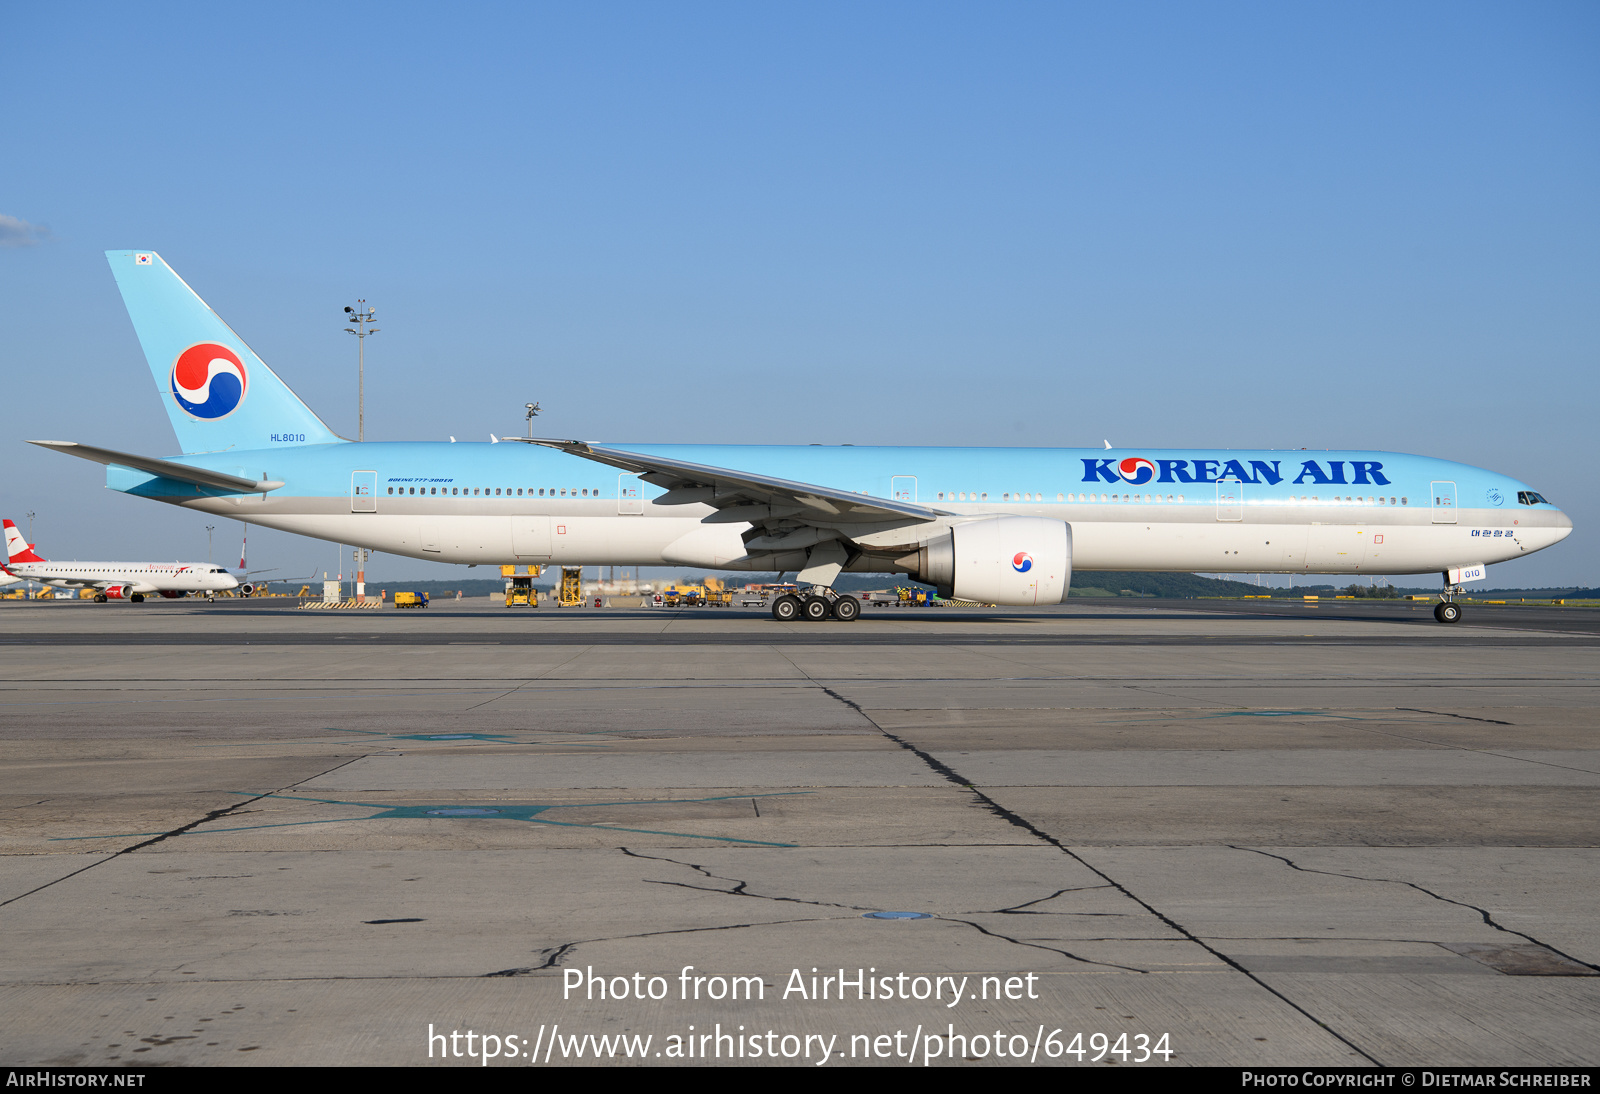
(209, 529)
(533, 412)
(360, 319)
(361, 555)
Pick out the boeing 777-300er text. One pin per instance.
(996, 525)
(114, 580)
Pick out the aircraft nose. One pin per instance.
(1562, 525)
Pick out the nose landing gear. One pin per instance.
(1447, 610)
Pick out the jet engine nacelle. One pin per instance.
(999, 560)
(118, 592)
(246, 589)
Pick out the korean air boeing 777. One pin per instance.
(997, 525)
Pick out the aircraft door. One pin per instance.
(530, 537)
(1230, 500)
(1335, 548)
(363, 491)
(630, 502)
(903, 488)
(1444, 502)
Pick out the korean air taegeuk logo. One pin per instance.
(209, 381)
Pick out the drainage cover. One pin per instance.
(463, 811)
(897, 915)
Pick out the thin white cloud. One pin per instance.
(16, 232)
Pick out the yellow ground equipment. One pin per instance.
(683, 596)
(410, 600)
(570, 594)
(519, 587)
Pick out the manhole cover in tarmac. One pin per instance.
(1520, 959)
(463, 811)
(897, 915)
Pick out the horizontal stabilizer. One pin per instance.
(168, 469)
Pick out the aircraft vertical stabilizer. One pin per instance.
(17, 548)
(218, 393)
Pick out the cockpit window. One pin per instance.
(1528, 497)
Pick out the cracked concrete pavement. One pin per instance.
(248, 836)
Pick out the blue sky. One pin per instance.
(1233, 224)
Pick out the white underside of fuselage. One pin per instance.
(1269, 539)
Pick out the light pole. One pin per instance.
(360, 319)
(361, 555)
(29, 585)
(209, 529)
(533, 412)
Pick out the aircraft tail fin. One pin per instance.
(218, 393)
(17, 548)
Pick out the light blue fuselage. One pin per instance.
(1214, 510)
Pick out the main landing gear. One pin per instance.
(815, 606)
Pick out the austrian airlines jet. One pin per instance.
(998, 525)
(114, 580)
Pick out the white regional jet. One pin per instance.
(998, 525)
(114, 580)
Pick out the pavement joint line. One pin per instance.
(690, 683)
(1464, 717)
(391, 812)
(566, 948)
(811, 639)
(740, 889)
(532, 679)
(180, 830)
(1016, 909)
(1452, 746)
(1484, 912)
(1039, 833)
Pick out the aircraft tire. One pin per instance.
(815, 609)
(137, 598)
(1448, 612)
(846, 609)
(786, 609)
(99, 598)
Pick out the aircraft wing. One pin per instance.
(742, 496)
(170, 469)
